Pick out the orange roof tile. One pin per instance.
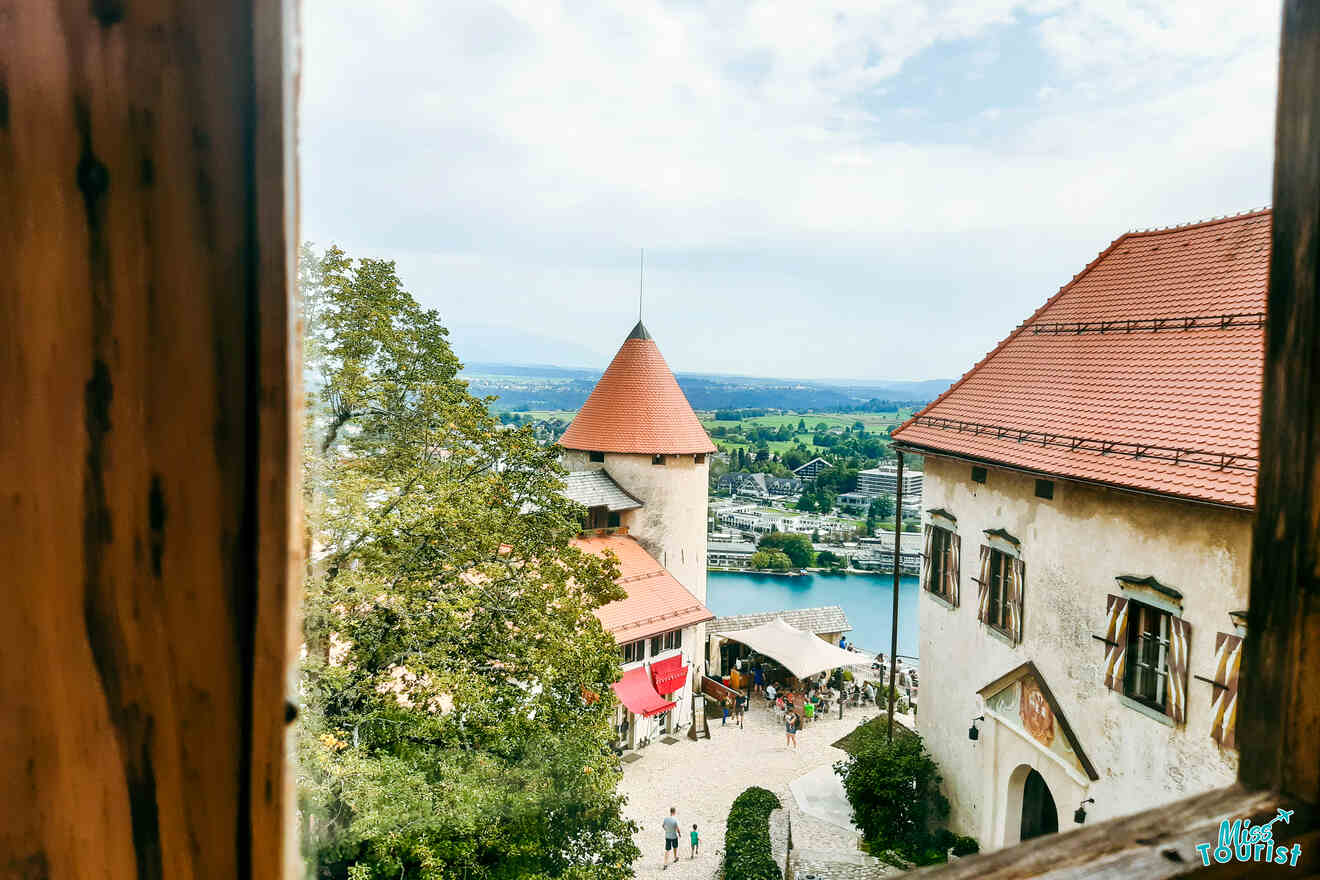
(1112, 381)
(656, 601)
(637, 406)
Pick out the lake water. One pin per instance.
(866, 599)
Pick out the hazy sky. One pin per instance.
(871, 189)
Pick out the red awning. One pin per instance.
(635, 692)
(669, 674)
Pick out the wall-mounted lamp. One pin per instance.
(972, 733)
(1079, 815)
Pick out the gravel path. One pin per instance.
(702, 778)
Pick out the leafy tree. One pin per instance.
(770, 560)
(793, 458)
(807, 502)
(829, 559)
(882, 506)
(802, 426)
(456, 701)
(894, 790)
(796, 546)
(825, 500)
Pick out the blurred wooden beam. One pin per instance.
(147, 459)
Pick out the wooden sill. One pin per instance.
(1151, 845)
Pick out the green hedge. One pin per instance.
(747, 853)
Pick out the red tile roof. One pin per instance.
(656, 601)
(1112, 382)
(637, 406)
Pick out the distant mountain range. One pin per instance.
(536, 387)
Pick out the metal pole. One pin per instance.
(893, 634)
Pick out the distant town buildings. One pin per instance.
(1089, 492)
(762, 486)
(753, 520)
(882, 481)
(811, 469)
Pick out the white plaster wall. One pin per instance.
(1074, 546)
(672, 525)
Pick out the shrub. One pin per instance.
(894, 790)
(965, 846)
(747, 853)
(847, 675)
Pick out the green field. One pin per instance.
(877, 422)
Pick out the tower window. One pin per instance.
(596, 456)
(978, 475)
(658, 459)
(1045, 489)
(699, 458)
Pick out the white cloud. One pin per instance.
(531, 147)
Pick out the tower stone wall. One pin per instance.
(672, 524)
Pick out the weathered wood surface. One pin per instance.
(147, 438)
(1156, 844)
(1278, 731)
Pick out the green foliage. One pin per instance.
(770, 560)
(456, 699)
(796, 546)
(747, 854)
(829, 559)
(894, 790)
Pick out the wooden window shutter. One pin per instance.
(1223, 703)
(1115, 640)
(983, 586)
(951, 568)
(927, 540)
(1180, 639)
(1017, 579)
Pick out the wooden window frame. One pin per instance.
(637, 646)
(595, 456)
(151, 482)
(664, 638)
(998, 593)
(1136, 612)
(938, 580)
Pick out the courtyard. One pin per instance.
(701, 778)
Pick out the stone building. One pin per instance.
(1089, 492)
(638, 461)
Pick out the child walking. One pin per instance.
(696, 843)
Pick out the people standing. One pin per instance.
(696, 843)
(791, 728)
(739, 707)
(758, 680)
(769, 693)
(671, 836)
(725, 706)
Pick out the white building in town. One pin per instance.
(637, 457)
(1089, 492)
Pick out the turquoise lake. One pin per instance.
(866, 599)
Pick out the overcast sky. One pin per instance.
(874, 190)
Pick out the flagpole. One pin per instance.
(893, 626)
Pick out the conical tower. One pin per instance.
(639, 427)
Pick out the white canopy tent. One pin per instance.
(801, 653)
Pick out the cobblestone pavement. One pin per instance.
(701, 778)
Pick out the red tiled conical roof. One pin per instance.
(637, 406)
